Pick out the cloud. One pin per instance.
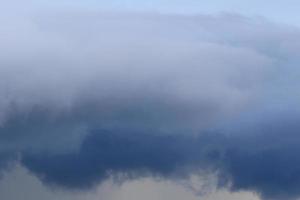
(81, 71)
(262, 159)
(265, 158)
(106, 153)
(19, 184)
(87, 95)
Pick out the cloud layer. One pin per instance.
(262, 159)
(84, 96)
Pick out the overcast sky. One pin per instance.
(130, 100)
(280, 10)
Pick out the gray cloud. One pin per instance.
(262, 158)
(136, 71)
(84, 95)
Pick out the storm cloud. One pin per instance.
(263, 158)
(85, 96)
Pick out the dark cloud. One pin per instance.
(85, 96)
(125, 153)
(263, 159)
(7, 161)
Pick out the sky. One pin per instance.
(129, 100)
(279, 11)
